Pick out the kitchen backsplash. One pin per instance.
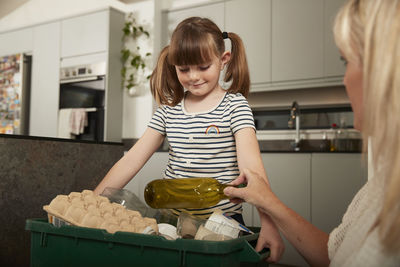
(311, 118)
(306, 98)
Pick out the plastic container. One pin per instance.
(80, 246)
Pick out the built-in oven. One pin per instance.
(82, 101)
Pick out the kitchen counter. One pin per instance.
(33, 171)
(42, 138)
(312, 146)
(352, 145)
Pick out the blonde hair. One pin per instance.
(368, 32)
(197, 41)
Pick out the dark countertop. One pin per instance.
(284, 146)
(43, 138)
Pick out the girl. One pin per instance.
(210, 130)
(367, 33)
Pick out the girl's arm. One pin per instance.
(129, 165)
(305, 237)
(249, 157)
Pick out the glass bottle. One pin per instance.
(333, 142)
(184, 193)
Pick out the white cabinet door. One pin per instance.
(45, 80)
(252, 22)
(153, 169)
(18, 41)
(289, 175)
(336, 178)
(85, 34)
(171, 19)
(114, 90)
(333, 66)
(297, 39)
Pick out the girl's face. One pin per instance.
(353, 81)
(202, 79)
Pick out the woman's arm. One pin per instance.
(129, 165)
(249, 157)
(305, 237)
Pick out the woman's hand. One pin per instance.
(305, 237)
(270, 238)
(257, 192)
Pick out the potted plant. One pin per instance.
(133, 71)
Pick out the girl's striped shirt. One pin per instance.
(203, 144)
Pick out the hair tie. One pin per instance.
(225, 35)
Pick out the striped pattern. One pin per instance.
(203, 144)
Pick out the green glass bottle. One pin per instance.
(184, 193)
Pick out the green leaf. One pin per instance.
(136, 61)
(127, 28)
(125, 54)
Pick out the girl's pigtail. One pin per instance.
(164, 83)
(237, 69)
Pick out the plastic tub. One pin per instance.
(80, 246)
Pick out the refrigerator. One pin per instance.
(15, 80)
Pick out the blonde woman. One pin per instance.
(367, 33)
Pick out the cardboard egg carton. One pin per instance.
(87, 209)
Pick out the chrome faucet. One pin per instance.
(295, 119)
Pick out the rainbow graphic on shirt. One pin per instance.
(212, 129)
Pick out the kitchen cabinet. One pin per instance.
(256, 41)
(83, 39)
(297, 39)
(45, 80)
(85, 34)
(333, 66)
(304, 53)
(336, 178)
(172, 18)
(114, 90)
(289, 176)
(318, 186)
(93, 38)
(253, 24)
(153, 169)
(17, 41)
(289, 43)
(43, 43)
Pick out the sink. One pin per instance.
(311, 140)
